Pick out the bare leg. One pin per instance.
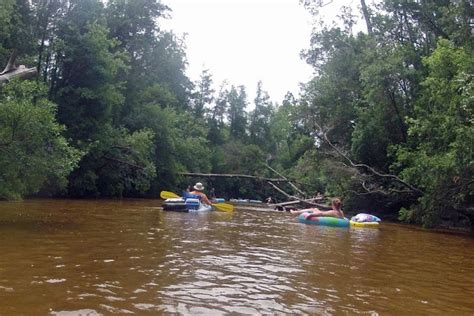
(315, 213)
(306, 210)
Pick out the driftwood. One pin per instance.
(11, 71)
(307, 201)
(284, 206)
(296, 200)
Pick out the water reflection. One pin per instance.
(105, 257)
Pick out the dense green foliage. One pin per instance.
(393, 111)
(33, 154)
(386, 122)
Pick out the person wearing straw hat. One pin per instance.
(198, 190)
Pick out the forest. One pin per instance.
(386, 122)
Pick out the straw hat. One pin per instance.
(199, 187)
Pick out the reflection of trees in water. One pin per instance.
(364, 250)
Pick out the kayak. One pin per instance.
(323, 220)
(202, 208)
(175, 204)
(182, 205)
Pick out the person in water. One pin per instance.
(198, 190)
(335, 212)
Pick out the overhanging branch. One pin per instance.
(230, 175)
(363, 166)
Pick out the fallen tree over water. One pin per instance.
(11, 71)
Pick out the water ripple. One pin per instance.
(121, 257)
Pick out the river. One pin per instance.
(93, 257)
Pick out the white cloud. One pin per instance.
(244, 41)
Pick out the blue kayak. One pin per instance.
(185, 205)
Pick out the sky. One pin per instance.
(246, 41)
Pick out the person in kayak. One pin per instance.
(198, 190)
(335, 212)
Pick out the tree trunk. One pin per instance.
(11, 63)
(20, 72)
(11, 71)
(365, 11)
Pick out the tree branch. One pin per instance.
(20, 72)
(289, 182)
(364, 166)
(295, 198)
(124, 162)
(11, 63)
(222, 175)
(11, 71)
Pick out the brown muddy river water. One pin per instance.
(65, 257)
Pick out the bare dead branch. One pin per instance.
(325, 138)
(124, 162)
(289, 182)
(11, 63)
(20, 72)
(229, 175)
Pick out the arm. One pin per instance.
(205, 200)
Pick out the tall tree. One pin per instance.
(87, 89)
(33, 152)
(217, 125)
(259, 125)
(237, 99)
(203, 95)
(439, 154)
(16, 32)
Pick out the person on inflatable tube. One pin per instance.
(315, 212)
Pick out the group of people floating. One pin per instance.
(336, 211)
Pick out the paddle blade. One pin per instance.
(168, 195)
(224, 207)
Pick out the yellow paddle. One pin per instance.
(224, 207)
(168, 195)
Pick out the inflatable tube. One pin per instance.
(363, 217)
(364, 224)
(323, 221)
